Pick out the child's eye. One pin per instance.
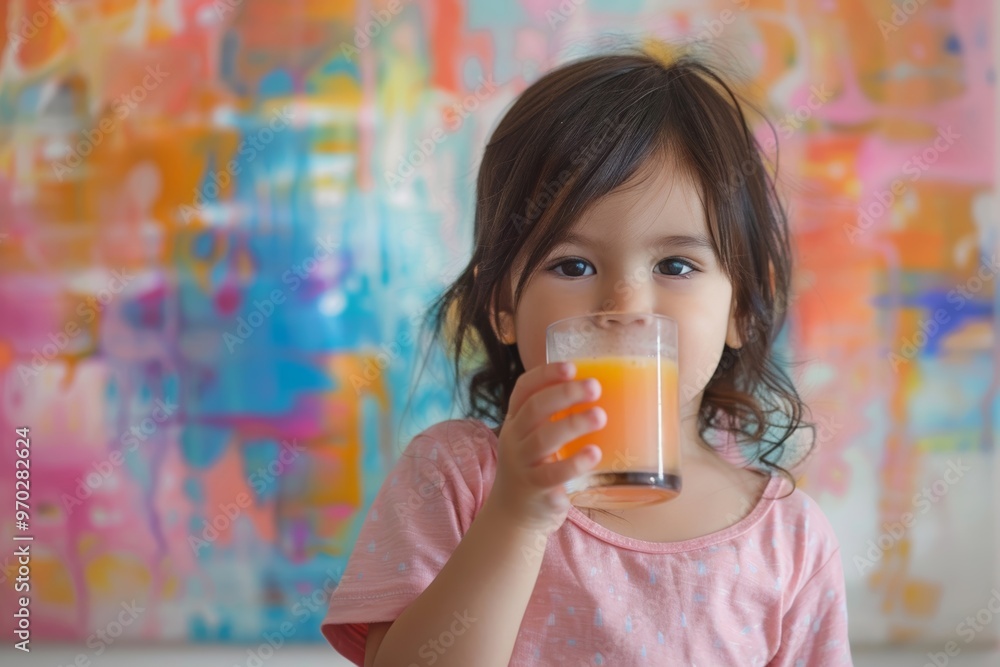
(577, 268)
(676, 267)
(573, 268)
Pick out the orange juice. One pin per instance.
(640, 459)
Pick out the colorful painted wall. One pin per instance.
(220, 221)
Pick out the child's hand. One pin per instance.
(529, 482)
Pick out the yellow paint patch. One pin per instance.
(117, 576)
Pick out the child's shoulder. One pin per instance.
(804, 509)
(456, 458)
(800, 520)
(469, 443)
(456, 435)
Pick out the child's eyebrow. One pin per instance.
(680, 241)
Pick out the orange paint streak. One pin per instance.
(54, 584)
(356, 377)
(839, 269)
(921, 41)
(5, 14)
(43, 33)
(6, 355)
(927, 245)
(774, 61)
(294, 36)
(445, 41)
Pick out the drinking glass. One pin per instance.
(634, 357)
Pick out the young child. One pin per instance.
(624, 183)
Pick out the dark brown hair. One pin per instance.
(575, 135)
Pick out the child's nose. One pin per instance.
(629, 293)
(631, 318)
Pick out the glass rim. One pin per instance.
(656, 316)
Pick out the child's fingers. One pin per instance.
(535, 379)
(540, 406)
(548, 439)
(554, 474)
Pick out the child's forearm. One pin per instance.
(470, 614)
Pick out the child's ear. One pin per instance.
(733, 337)
(505, 328)
(503, 322)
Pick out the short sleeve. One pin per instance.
(814, 629)
(420, 514)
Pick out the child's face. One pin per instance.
(617, 264)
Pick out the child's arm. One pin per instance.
(376, 633)
(470, 614)
(479, 598)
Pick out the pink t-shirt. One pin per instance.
(768, 590)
